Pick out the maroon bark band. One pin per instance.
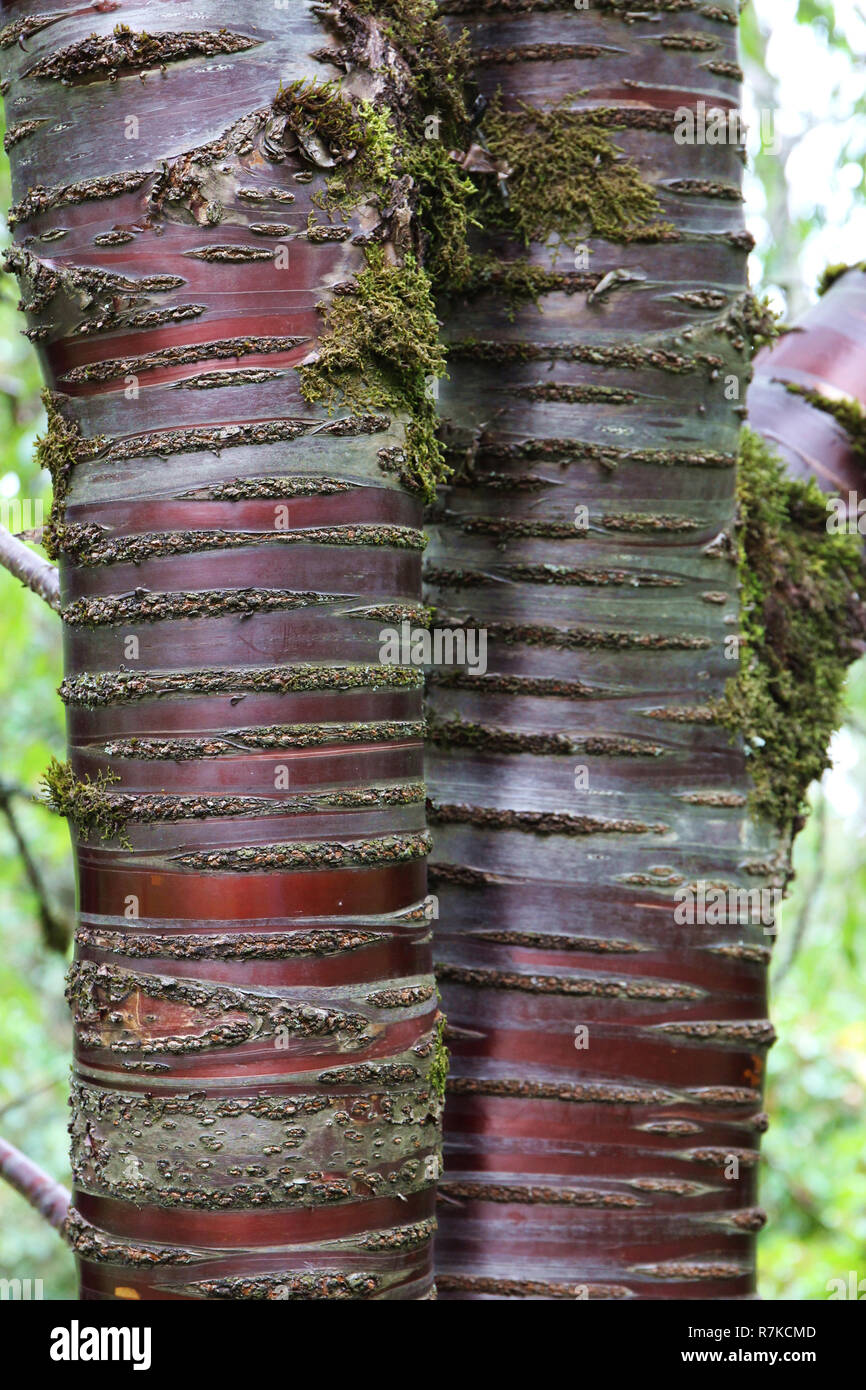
(604, 1104)
(253, 1110)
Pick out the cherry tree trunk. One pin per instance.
(253, 1108)
(604, 1106)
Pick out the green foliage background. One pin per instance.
(35, 1033)
(814, 1174)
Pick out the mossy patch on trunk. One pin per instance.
(802, 615)
(379, 350)
(835, 272)
(564, 174)
(438, 1074)
(86, 804)
(380, 343)
(58, 450)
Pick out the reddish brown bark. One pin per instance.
(252, 1113)
(824, 356)
(627, 1168)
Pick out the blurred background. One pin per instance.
(805, 63)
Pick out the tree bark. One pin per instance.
(808, 397)
(45, 1195)
(604, 1105)
(256, 1090)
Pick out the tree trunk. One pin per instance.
(608, 1053)
(216, 251)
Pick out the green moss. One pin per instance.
(83, 802)
(758, 320)
(800, 617)
(373, 144)
(380, 344)
(835, 272)
(445, 197)
(358, 137)
(324, 109)
(520, 281)
(434, 123)
(846, 409)
(379, 350)
(439, 1064)
(438, 63)
(565, 175)
(57, 450)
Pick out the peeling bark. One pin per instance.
(808, 398)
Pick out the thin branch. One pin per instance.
(49, 1198)
(34, 572)
(56, 925)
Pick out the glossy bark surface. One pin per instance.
(823, 357)
(581, 781)
(252, 1109)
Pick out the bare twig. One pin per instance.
(56, 925)
(37, 574)
(45, 1195)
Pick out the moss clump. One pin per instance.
(757, 319)
(358, 138)
(444, 195)
(380, 341)
(57, 450)
(323, 109)
(835, 272)
(801, 614)
(379, 350)
(372, 144)
(846, 409)
(435, 123)
(565, 175)
(438, 1075)
(84, 803)
(438, 63)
